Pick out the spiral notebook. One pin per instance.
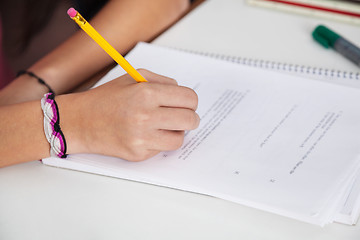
(345, 78)
(284, 144)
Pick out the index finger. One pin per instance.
(175, 96)
(156, 78)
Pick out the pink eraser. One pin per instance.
(71, 12)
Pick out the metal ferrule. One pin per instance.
(79, 19)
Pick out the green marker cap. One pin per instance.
(325, 36)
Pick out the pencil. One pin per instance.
(75, 15)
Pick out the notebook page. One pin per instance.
(350, 212)
(267, 140)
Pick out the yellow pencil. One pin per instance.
(105, 45)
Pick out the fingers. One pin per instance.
(161, 140)
(148, 75)
(156, 78)
(162, 91)
(164, 140)
(158, 141)
(175, 119)
(139, 120)
(174, 96)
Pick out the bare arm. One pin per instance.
(121, 22)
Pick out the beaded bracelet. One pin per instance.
(31, 74)
(52, 129)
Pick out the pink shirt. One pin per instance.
(6, 75)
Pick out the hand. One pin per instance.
(130, 120)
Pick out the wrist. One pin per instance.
(71, 122)
(24, 88)
(51, 76)
(39, 80)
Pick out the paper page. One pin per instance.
(350, 211)
(267, 140)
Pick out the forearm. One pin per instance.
(21, 133)
(22, 136)
(122, 24)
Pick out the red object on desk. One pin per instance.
(316, 7)
(6, 75)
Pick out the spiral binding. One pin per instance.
(282, 67)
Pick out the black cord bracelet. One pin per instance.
(31, 74)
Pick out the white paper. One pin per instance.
(275, 142)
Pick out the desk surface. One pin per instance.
(233, 28)
(41, 202)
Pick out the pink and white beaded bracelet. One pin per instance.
(52, 129)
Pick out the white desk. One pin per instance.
(40, 202)
(233, 28)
